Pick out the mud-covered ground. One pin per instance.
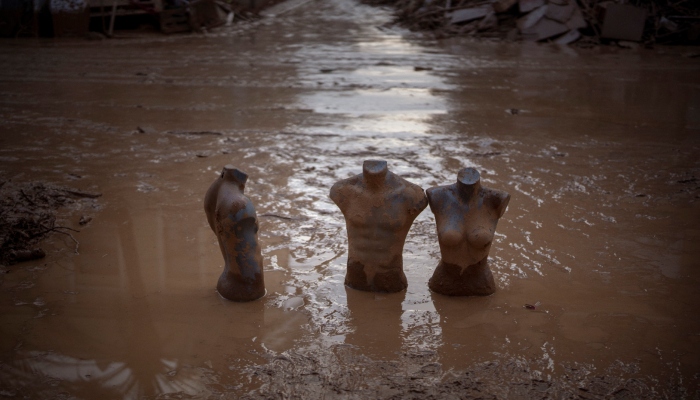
(600, 150)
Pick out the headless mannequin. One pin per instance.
(466, 215)
(379, 208)
(231, 216)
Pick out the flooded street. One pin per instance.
(599, 149)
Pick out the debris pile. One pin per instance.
(28, 214)
(559, 21)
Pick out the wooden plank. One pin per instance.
(469, 14)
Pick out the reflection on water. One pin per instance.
(90, 378)
(144, 317)
(384, 100)
(390, 111)
(375, 322)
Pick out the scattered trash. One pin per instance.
(532, 306)
(145, 129)
(293, 303)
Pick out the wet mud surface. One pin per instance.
(599, 150)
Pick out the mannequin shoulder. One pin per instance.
(345, 189)
(231, 210)
(212, 194)
(246, 209)
(412, 192)
(440, 194)
(240, 209)
(406, 188)
(498, 199)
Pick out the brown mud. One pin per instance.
(599, 149)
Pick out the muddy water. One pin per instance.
(599, 149)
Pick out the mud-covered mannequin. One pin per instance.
(231, 216)
(379, 209)
(466, 215)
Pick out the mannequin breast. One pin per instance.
(465, 234)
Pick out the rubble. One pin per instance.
(570, 37)
(529, 5)
(556, 21)
(76, 18)
(624, 22)
(469, 14)
(28, 214)
(545, 28)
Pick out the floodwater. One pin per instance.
(599, 149)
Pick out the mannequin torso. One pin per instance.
(232, 217)
(379, 209)
(466, 215)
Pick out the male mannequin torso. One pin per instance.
(379, 209)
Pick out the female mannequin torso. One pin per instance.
(466, 215)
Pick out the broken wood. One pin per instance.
(503, 5)
(577, 21)
(529, 20)
(545, 28)
(560, 13)
(529, 5)
(568, 37)
(18, 256)
(469, 14)
(80, 193)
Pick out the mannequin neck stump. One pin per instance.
(468, 183)
(374, 172)
(234, 175)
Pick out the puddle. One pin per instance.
(600, 231)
